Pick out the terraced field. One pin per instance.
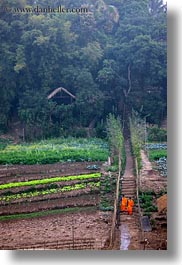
(40, 192)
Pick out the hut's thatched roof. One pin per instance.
(59, 89)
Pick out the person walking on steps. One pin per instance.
(130, 206)
(123, 205)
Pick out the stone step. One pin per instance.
(128, 186)
(127, 193)
(128, 179)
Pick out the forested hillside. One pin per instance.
(111, 58)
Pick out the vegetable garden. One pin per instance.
(55, 150)
(20, 188)
(52, 177)
(158, 154)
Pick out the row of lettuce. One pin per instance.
(55, 150)
(50, 186)
(56, 186)
(33, 189)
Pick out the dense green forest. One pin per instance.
(110, 58)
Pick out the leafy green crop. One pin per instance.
(58, 150)
(50, 191)
(157, 154)
(47, 181)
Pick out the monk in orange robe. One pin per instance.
(130, 206)
(123, 205)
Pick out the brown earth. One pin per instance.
(64, 231)
(29, 172)
(162, 204)
(131, 235)
(52, 231)
(151, 180)
(80, 200)
(87, 228)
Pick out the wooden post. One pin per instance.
(115, 202)
(137, 192)
(109, 161)
(73, 233)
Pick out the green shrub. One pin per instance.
(146, 202)
(156, 134)
(157, 154)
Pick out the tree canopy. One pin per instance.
(112, 58)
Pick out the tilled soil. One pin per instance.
(87, 228)
(44, 205)
(44, 231)
(29, 172)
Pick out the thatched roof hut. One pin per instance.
(59, 89)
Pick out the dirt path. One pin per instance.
(150, 179)
(129, 228)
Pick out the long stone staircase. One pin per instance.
(129, 224)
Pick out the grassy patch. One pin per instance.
(157, 154)
(45, 213)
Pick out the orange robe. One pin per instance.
(123, 204)
(130, 206)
